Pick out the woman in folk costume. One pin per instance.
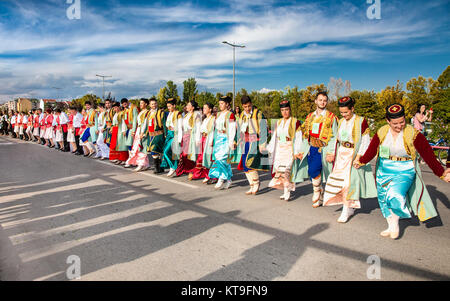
(203, 163)
(36, 125)
(224, 144)
(284, 149)
(102, 148)
(346, 185)
(71, 130)
(171, 153)
(251, 143)
(156, 134)
(399, 179)
(22, 116)
(59, 139)
(138, 155)
(49, 134)
(189, 139)
(130, 118)
(29, 130)
(118, 150)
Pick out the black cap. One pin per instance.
(346, 101)
(225, 98)
(394, 111)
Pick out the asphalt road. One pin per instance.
(122, 225)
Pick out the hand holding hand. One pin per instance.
(330, 158)
(357, 164)
(299, 156)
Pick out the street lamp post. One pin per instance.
(234, 66)
(103, 91)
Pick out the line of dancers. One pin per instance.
(333, 153)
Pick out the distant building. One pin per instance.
(24, 105)
(45, 103)
(12, 105)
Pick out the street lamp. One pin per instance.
(234, 66)
(103, 91)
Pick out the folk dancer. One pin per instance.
(284, 149)
(347, 185)
(251, 146)
(224, 145)
(400, 186)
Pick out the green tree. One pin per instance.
(441, 107)
(189, 89)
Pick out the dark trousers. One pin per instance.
(77, 141)
(66, 144)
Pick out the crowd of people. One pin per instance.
(203, 144)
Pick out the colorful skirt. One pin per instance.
(221, 169)
(137, 158)
(394, 179)
(167, 160)
(184, 164)
(199, 171)
(113, 154)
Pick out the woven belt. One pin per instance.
(347, 144)
(287, 139)
(395, 158)
(316, 142)
(222, 132)
(204, 134)
(157, 133)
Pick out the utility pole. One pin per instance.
(234, 67)
(103, 91)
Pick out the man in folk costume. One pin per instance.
(251, 139)
(156, 134)
(108, 121)
(399, 179)
(77, 123)
(171, 153)
(138, 155)
(319, 146)
(64, 121)
(118, 150)
(102, 148)
(130, 115)
(284, 149)
(346, 185)
(89, 137)
(224, 145)
(189, 139)
(15, 125)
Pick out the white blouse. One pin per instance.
(396, 146)
(345, 135)
(283, 129)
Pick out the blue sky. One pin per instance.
(142, 44)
